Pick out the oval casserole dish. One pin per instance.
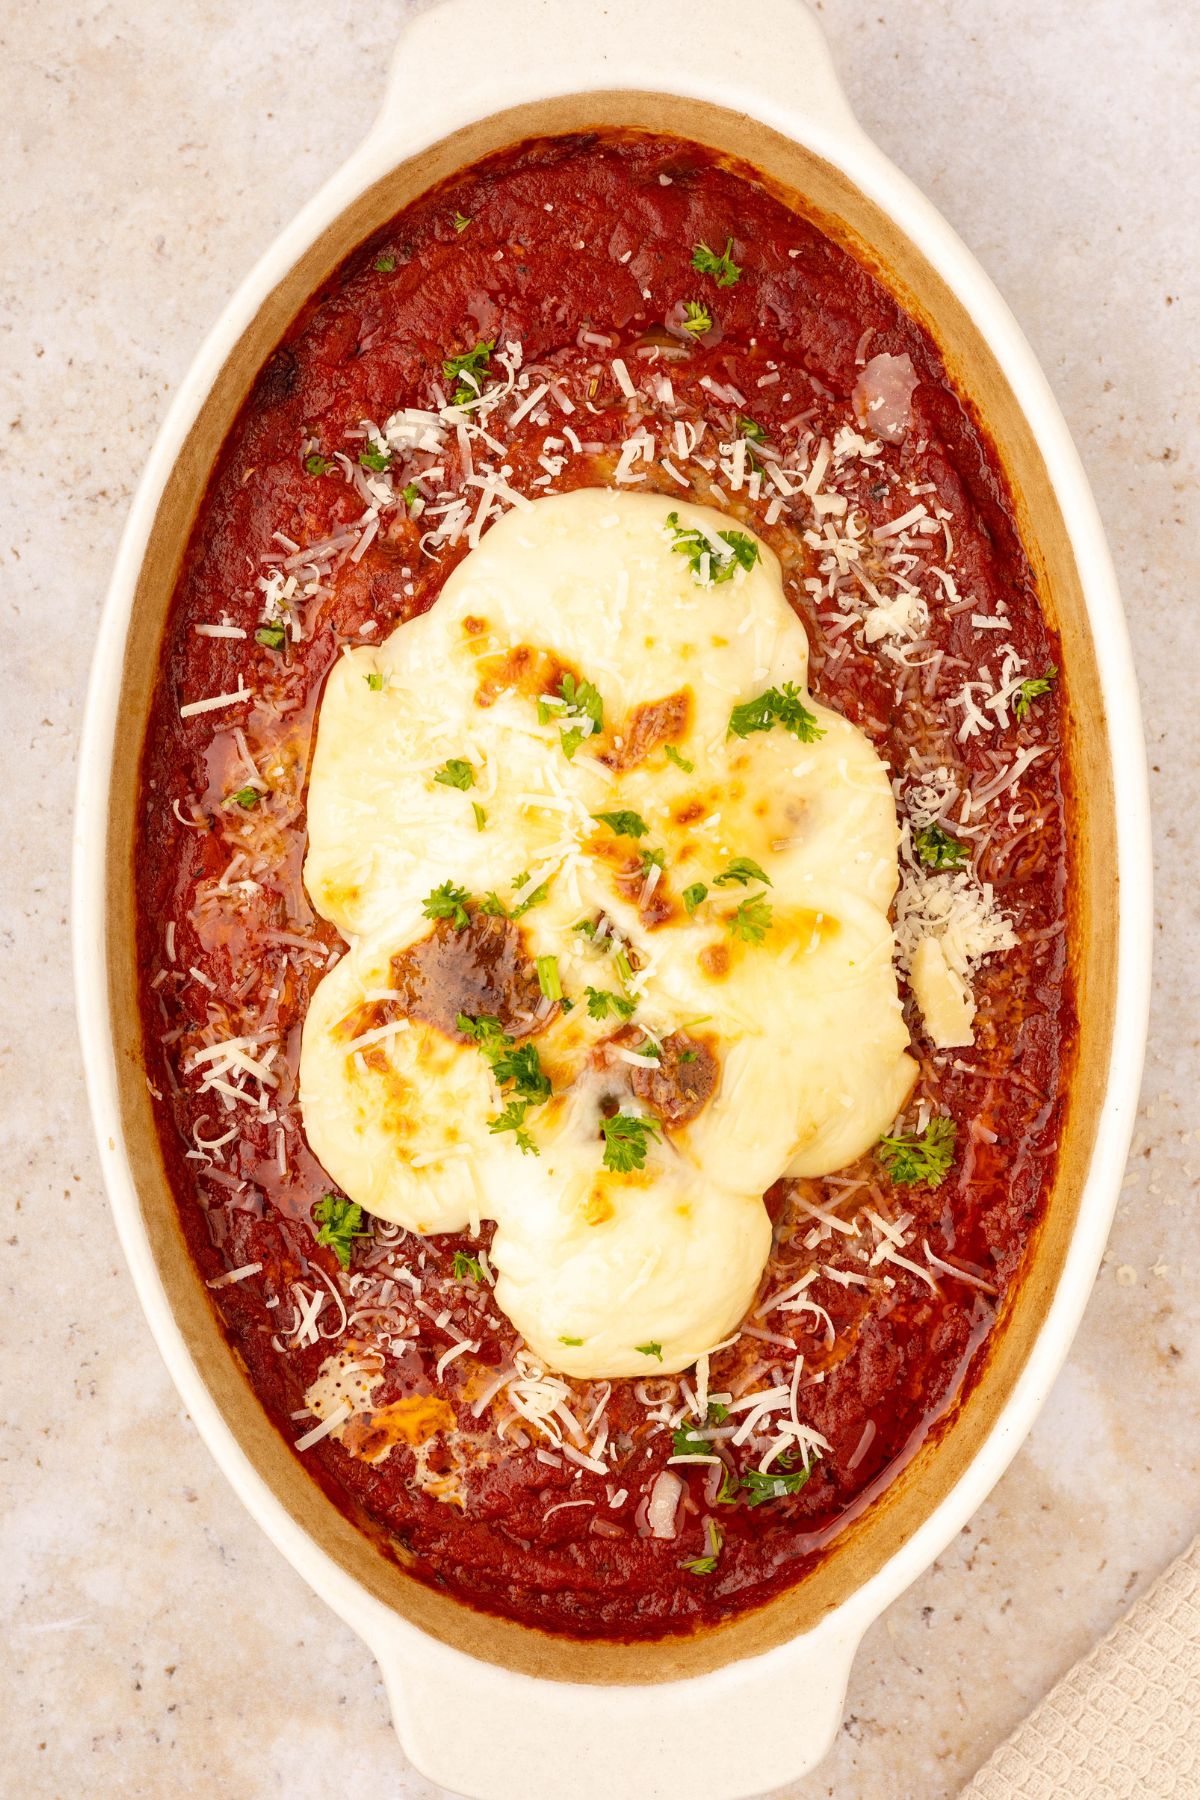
(779, 1673)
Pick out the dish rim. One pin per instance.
(820, 122)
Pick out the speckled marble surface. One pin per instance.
(154, 1643)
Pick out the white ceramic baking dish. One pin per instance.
(547, 1718)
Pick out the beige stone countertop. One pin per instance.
(153, 1641)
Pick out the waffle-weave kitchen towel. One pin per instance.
(1125, 1721)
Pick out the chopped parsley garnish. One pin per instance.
(774, 1484)
(742, 871)
(920, 1158)
(375, 681)
(681, 762)
(516, 1066)
(271, 637)
(571, 1341)
(750, 428)
(722, 565)
(513, 1119)
(727, 1493)
(522, 1066)
(410, 494)
(1033, 689)
(448, 902)
(532, 899)
(602, 1001)
(627, 1138)
(705, 1565)
(466, 1268)
(456, 774)
(588, 927)
(649, 1350)
(340, 1222)
(467, 371)
(693, 895)
(247, 798)
(652, 859)
(574, 700)
(548, 977)
(717, 1413)
(938, 850)
(696, 318)
(316, 464)
(686, 1056)
(385, 263)
(480, 815)
(484, 1030)
(624, 824)
(684, 1444)
(751, 921)
(375, 460)
(778, 706)
(724, 271)
(461, 221)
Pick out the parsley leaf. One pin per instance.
(411, 494)
(467, 371)
(624, 824)
(722, 565)
(340, 1223)
(751, 921)
(574, 700)
(570, 1340)
(461, 221)
(484, 1030)
(681, 762)
(385, 263)
(317, 464)
(774, 1484)
(480, 815)
(684, 1444)
(627, 1139)
(271, 637)
(448, 902)
(696, 318)
(778, 706)
(602, 1001)
(376, 460)
(456, 774)
(247, 798)
(466, 1268)
(534, 899)
(513, 1119)
(375, 681)
(938, 850)
(649, 1350)
(742, 870)
(750, 428)
(920, 1158)
(724, 271)
(692, 896)
(522, 1066)
(1033, 689)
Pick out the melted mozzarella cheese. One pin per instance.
(805, 1025)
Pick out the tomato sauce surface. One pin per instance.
(575, 260)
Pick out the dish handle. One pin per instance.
(776, 67)
(741, 1730)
